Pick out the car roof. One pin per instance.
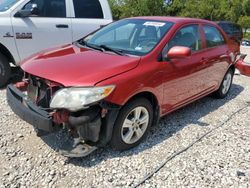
(174, 19)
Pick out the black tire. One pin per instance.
(117, 141)
(5, 70)
(220, 94)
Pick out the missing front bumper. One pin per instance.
(92, 129)
(29, 112)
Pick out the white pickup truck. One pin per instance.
(29, 26)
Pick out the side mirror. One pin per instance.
(178, 52)
(28, 11)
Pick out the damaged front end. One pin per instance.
(90, 126)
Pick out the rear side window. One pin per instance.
(49, 8)
(88, 9)
(213, 36)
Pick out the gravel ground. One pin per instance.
(221, 159)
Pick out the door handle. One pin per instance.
(62, 26)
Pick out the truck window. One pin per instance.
(6, 4)
(88, 9)
(49, 8)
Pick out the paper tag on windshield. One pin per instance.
(156, 24)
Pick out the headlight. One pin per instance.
(75, 99)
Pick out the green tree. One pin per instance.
(207, 9)
(236, 10)
(116, 7)
(214, 10)
(246, 7)
(143, 8)
(244, 21)
(175, 7)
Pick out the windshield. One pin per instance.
(6, 4)
(131, 36)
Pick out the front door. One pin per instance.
(184, 79)
(49, 28)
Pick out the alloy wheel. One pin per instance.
(135, 125)
(227, 83)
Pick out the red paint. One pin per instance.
(174, 83)
(74, 66)
(60, 117)
(243, 67)
(179, 52)
(22, 86)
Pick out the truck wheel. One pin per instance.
(226, 84)
(132, 124)
(5, 70)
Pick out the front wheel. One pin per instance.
(225, 86)
(132, 124)
(5, 70)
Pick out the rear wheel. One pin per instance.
(132, 124)
(225, 85)
(5, 70)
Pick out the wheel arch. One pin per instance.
(152, 99)
(232, 67)
(4, 51)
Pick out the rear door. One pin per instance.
(88, 16)
(51, 27)
(217, 55)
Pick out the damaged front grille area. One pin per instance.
(40, 91)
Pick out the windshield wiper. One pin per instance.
(84, 43)
(106, 48)
(101, 47)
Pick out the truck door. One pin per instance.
(49, 27)
(88, 16)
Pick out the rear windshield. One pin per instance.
(6, 4)
(227, 27)
(230, 28)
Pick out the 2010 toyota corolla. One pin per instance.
(113, 85)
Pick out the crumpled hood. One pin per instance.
(70, 65)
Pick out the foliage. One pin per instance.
(143, 8)
(246, 7)
(246, 36)
(244, 21)
(230, 10)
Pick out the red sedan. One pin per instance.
(113, 85)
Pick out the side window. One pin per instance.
(213, 36)
(188, 36)
(88, 9)
(49, 8)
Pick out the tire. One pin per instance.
(225, 86)
(136, 128)
(5, 70)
